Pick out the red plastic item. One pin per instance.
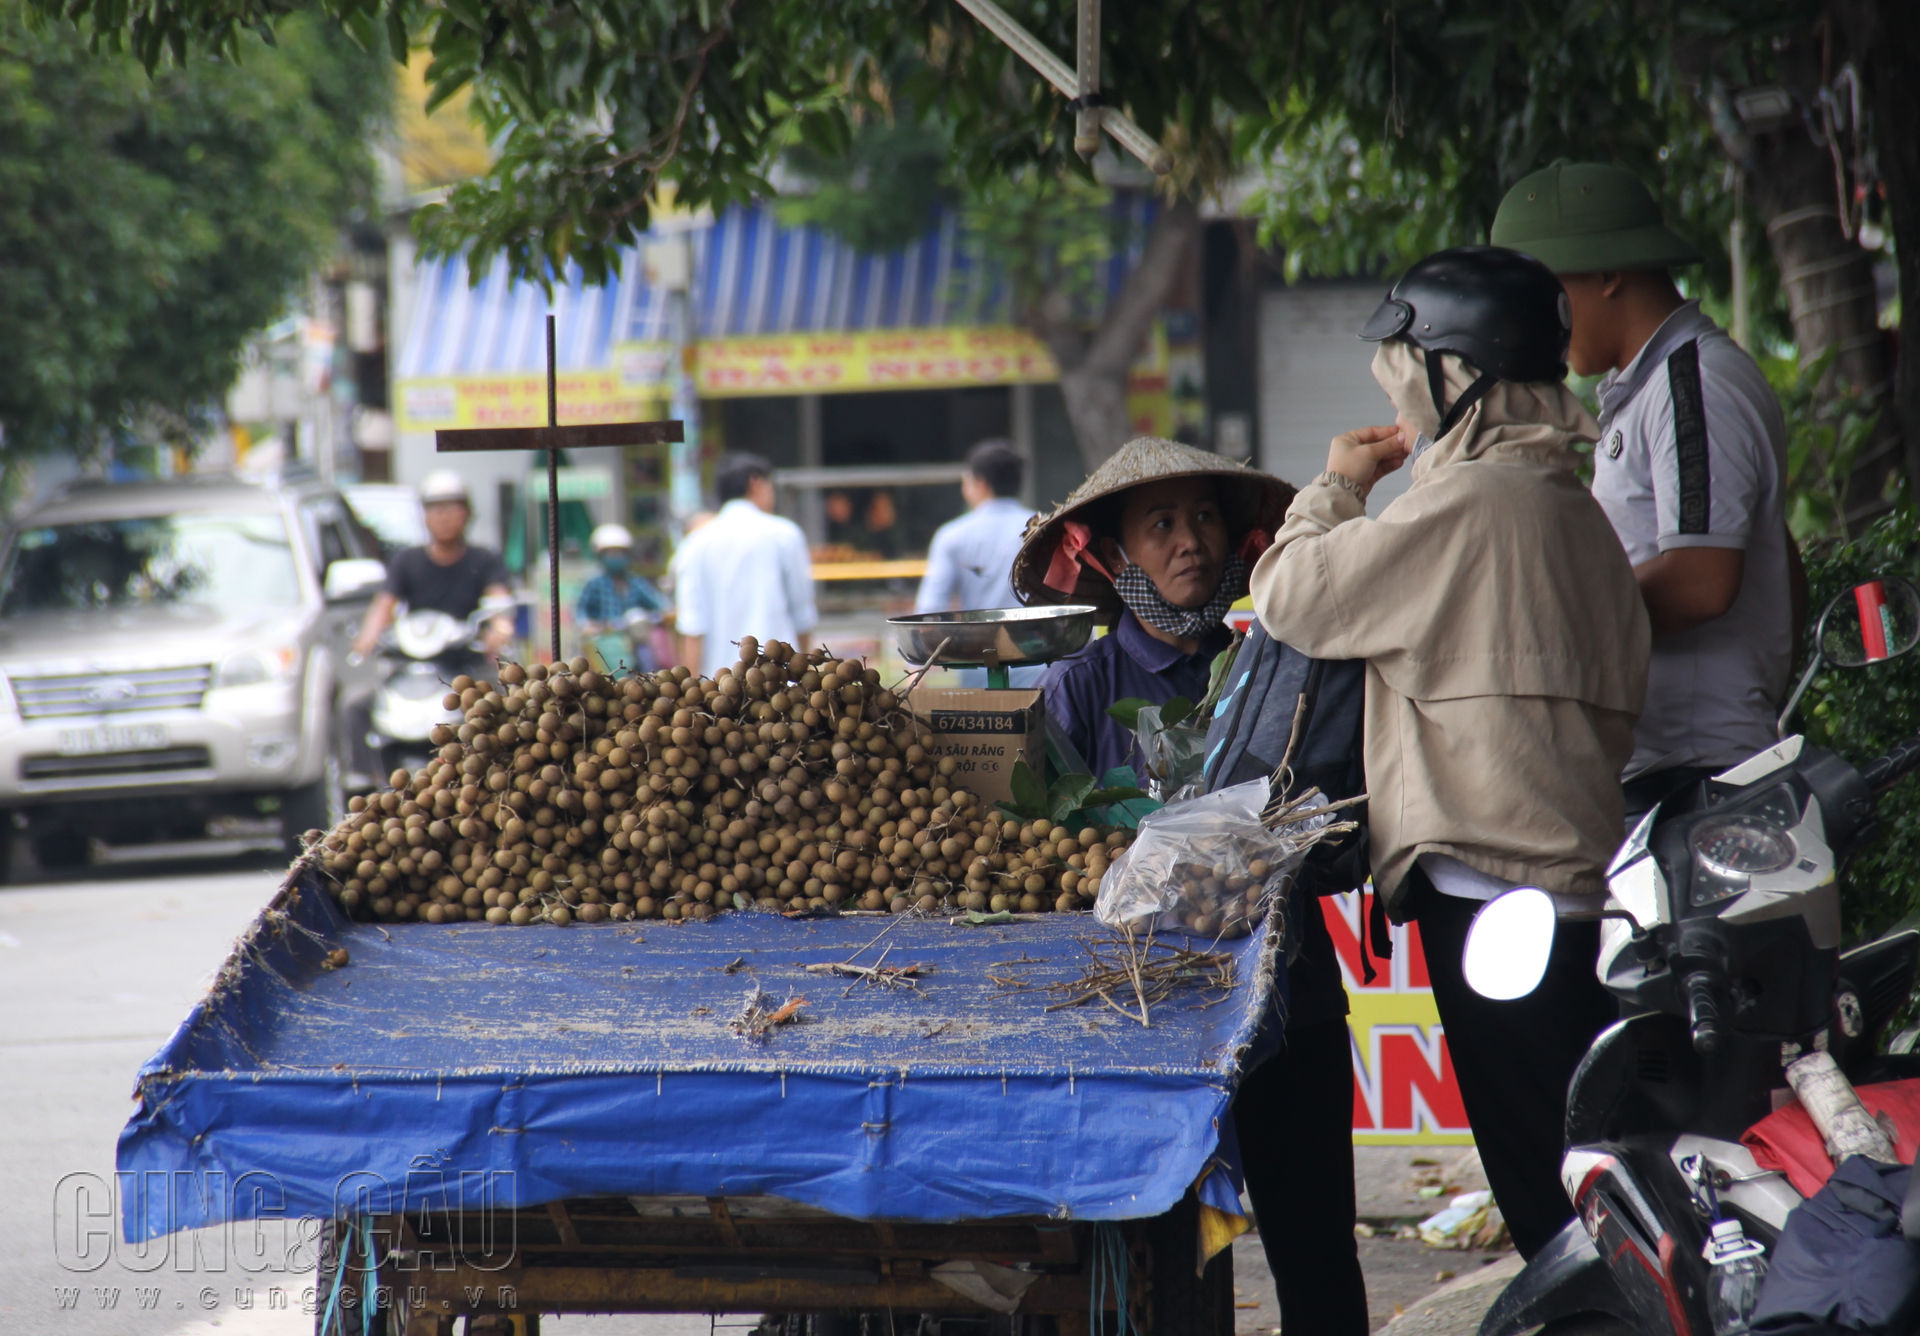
(1786, 1139)
(1871, 598)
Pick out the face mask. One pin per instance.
(1145, 601)
(616, 563)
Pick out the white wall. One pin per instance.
(1314, 378)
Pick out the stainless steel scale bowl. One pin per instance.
(994, 638)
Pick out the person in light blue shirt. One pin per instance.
(970, 564)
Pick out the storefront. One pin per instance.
(863, 379)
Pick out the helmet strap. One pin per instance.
(1437, 387)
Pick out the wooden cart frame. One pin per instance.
(761, 1255)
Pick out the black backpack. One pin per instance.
(1247, 739)
(1268, 683)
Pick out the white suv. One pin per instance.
(173, 666)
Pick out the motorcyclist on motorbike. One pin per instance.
(617, 602)
(447, 575)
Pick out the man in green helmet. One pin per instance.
(1690, 468)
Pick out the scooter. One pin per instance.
(1722, 942)
(628, 646)
(422, 653)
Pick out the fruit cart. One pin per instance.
(879, 1115)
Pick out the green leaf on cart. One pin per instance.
(1127, 711)
(1029, 794)
(1069, 792)
(1176, 711)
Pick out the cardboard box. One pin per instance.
(986, 732)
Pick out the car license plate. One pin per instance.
(112, 738)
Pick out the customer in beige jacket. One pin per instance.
(1506, 646)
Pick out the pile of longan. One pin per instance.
(791, 782)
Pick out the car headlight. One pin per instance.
(251, 667)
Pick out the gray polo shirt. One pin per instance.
(1693, 453)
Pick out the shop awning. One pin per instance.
(751, 276)
(757, 277)
(460, 328)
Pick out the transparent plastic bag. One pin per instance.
(1204, 867)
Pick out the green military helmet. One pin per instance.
(1584, 217)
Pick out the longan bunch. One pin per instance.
(1221, 899)
(791, 781)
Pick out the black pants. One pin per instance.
(1514, 1059)
(1294, 1118)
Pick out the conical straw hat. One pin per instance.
(1253, 500)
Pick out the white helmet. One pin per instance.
(444, 485)
(611, 536)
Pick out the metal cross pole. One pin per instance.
(554, 438)
(1082, 89)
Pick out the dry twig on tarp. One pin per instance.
(878, 975)
(1140, 972)
(759, 1015)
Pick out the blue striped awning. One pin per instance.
(755, 276)
(751, 276)
(460, 328)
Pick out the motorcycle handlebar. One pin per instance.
(1703, 1012)
(1886, 771)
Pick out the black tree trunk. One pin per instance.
(1826, 276)
(1884, 36)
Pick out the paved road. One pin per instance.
(95, 972)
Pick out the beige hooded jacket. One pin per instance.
(1505, 638)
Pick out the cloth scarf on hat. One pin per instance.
(1145, 601)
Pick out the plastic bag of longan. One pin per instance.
(1203, 867)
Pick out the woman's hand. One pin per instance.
(1367, 454)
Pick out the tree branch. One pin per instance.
(1140, 298)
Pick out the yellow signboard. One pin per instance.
(896, 359)
(514, 399)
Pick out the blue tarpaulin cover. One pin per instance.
(471, 1066)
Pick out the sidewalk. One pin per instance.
(1412, 1289)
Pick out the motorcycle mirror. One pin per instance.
(1876, 620)
(1509, 944)
(1870, 623)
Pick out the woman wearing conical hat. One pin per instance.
(1161, 539)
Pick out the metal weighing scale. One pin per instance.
(994, 638)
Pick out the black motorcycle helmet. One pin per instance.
(1500, 310)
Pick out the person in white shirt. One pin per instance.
(747, 572)
(970, 562)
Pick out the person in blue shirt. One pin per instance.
(607, 598)
(970, 563)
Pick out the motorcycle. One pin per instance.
(421, 654)
(1722, 941)
(629, 645)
